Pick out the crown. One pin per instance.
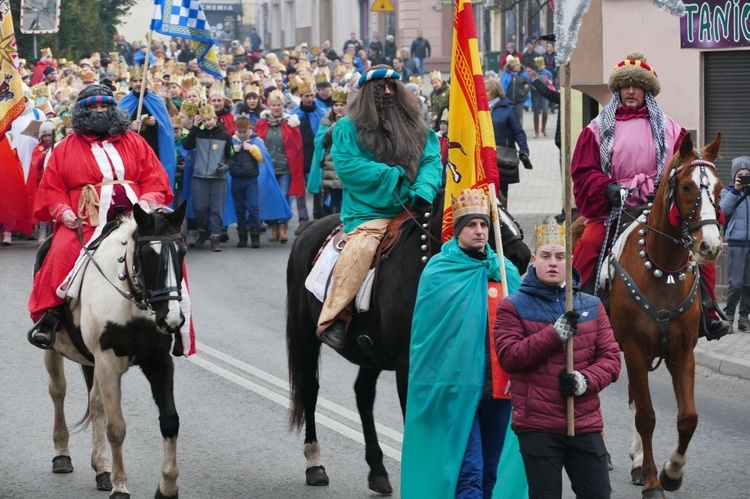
(436, 75)
(347, 58)
(188, 81)
(114, 56)
(235, 90)
(234, 78)
(207, 111)
(189, 108)
(41, 90)
(181, 66)
(253, 88)
(242, 122)
(275, 95)
(470, 202)
(176, 121)
(46, 108)
(294, 54)
(95, 55)
(416, 80)
(225, 58)
(47, 51)
(539, 61)
(305, 87)
(340, 94)
(549, 233)
(302, 64)
(136, 73)
(444, 116)
(321, 77)
(175, 79)
(87, 74)
(340, 70)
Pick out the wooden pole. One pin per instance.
(568, 200)
(145, 75)
(498, 239)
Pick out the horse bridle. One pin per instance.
(687, 228)
(142, 296)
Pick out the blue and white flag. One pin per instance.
(185, 19)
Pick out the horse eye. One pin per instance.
(686, 188)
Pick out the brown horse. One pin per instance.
(655, 303)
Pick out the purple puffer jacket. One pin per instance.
(530, 350)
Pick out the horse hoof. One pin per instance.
(159, 495)
(103, 482)
(62, 464)
(316, 475)
(380, 484)
(119, 495)
(636, 475)
(668, 483)
(653, 494)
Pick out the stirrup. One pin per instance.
(47, 325)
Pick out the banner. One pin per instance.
(11, 88)
(715, 24)
(471, 150)
(185, 19)
(40, 16)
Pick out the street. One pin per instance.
(232, 400)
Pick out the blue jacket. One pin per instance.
(508, 133)
(738, 229)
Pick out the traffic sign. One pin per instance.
(382, 6)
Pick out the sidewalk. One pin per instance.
(539, 194)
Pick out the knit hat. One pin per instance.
(741, 163)
(634, 71)
(95, 93)
(46, 128)
(470, 204)
(49, 69)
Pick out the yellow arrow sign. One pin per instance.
(382, 6)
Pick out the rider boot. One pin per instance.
(42, 333)
(255, 239)
(333, 334)
(714, 323)
(242, 234)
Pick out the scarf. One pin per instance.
(606, 123)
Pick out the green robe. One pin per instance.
(371, 188)
(447, 374)
(315, 179)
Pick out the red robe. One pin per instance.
(36, 170)
(293, 149)
(13, 206)
(77, 161)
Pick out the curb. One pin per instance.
(724, 364)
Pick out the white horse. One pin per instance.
(123, 309)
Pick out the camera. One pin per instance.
(744, 179)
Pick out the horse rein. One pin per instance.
(137, 283)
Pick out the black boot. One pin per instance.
(243, 239)
(334, 335)
(202, 238)
(712, 328)
(42, 334)
(255, 239)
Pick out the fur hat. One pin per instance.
(741, 163)
(634, 71)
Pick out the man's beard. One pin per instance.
(113, 121)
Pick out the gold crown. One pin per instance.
(444, 116)
(549, 233)
(46, 108)
(470, 202)
(181, 66)
(136, 73)
(275, 95)
(302, 64)
(207, 111)
(305, 87)
(340, 94)
(46, 51)
(415, 79)
(188, 81)
(294, 54)
(87, 74)
(175, 79)
(41, 90)
(225, 58)
(95, 55)
(347, 58)
(436, 75)
(189, 108)
(269, 83)
(253, 88)
(62, 61)
(539, 61)
(321, 77)
(340, 71)
(176, 121)
(235, 90)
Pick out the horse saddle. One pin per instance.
(319, 281)
(613, 251)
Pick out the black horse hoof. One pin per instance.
(159, 495)
(380, 484)
(636, 475)
(316, 475)
(62, 464)
(119, 495)
(653, 494)
(668, 483)
(103, 482)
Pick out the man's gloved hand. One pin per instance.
(525, 160)
(614, 194)
(567, 324)
(421, 204)
(574, 384)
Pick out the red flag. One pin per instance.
(13, 201)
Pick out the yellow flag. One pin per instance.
(11, 87)
(471, 147)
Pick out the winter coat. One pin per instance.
(420, 47)
(738, 228)
(554, 97)
(213, 150)
(292, 147)
(530, 350)
(508, 133)
(440, 99)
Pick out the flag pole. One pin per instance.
(568, 200)
(498, 238)
(145, 74)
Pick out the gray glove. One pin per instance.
(567, 325)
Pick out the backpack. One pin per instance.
(516, 92)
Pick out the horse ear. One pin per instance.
(711, 151)
(141, 217)
(177, 217)
(687, 146)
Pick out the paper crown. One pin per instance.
(188, 81)
(136, 73)
(416, 80)
(444, 116)
(242, 122)
(269, 83)
(41, 90)
(95, 55)
(306, 87)
(340, 94)
(235, 91)
(294, 54)
(114, 56)
(62, 61)
(176, 121)
(87, 75)
(225, 58)
(175, 80)
(347, 58)
(436, 75)
(234, 78)
(271, 57)
(207, 111)
(322, 77)
(539, 62)
(254, 89)
(340, 70)
(189, 108)
(303, 64)
(470, 202)
(46, 108)
(46, 52)
(549, 233)
(120, 93)
(275, 96)
(512, 61)
(181, 66)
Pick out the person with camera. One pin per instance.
(736, 208)
(213, 152)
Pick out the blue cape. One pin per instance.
(165, 132)
(315, 117)
(447, 371)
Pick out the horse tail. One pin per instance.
(88, 375)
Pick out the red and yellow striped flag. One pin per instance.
(471, 153)
(11, 87)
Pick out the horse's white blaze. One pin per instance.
(636, 444)
(312, 454)
(674, 468)
(710, 232)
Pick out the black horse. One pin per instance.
(377, 340)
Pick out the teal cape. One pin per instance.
(316, 172)
(447, 374)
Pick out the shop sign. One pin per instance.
(716, 24)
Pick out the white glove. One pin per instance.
(69, 219)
